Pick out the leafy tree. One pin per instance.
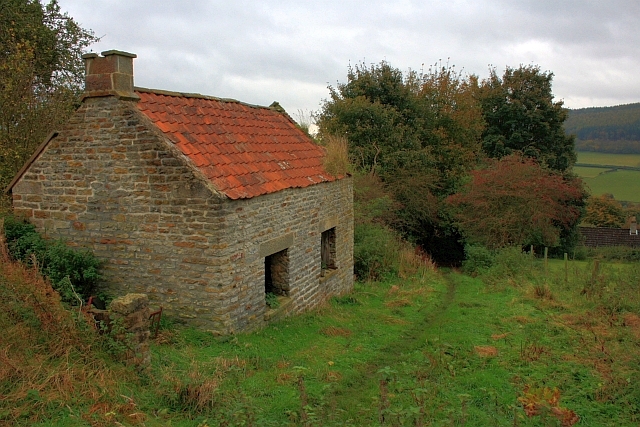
(604, 212)
(521, 116)
(375, 111)
(514, 201)
(419, 132)
(41, 75)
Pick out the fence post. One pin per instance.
(566, 268)
(546, 263)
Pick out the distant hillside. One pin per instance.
(606, 129)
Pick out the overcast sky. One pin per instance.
(289, 51)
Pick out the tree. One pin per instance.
(604, 212)
(521, 116)
(41, 76)
(376, 110)
(515, 201)
(419, 132)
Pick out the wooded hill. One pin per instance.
(606, 129)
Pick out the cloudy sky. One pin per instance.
(289, 51)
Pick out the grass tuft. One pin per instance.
(336, 160)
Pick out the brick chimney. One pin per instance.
(109, 75)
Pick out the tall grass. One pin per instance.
(48, 354)
(336, 160)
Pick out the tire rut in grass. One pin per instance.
(411, 340)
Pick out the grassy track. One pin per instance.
(443, 350)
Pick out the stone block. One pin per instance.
(129, 303)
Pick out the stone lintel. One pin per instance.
(278, 244)
(327, 223)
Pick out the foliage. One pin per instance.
(396, 122)
(41, 71)
(336, 160)
(515, 202)
(375, 251)
(73, 273)
(272, 300)
(478, 259)
(614, 253)
(419, 132)
(521, 116)
(372, 202)
(604, 212)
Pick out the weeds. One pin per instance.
(47, 357)
(72, 273)
(271, 300)
(336, 160)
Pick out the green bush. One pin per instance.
(614, 253)
(70, 271)
(375, 252)
(512, 262)
(478, 259)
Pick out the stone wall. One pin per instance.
(292, 219)
(111, 182)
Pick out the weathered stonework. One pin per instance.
(111, 182)
(132, 312)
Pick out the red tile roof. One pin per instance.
(244, 150)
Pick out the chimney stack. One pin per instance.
(109, 75)
(633, 228)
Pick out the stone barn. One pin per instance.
(210, 206)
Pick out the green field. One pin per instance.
(623, 184)
(608, 159)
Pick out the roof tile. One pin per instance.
(244, 150)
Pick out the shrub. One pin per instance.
(512, 262)
(375, 252)
(478, 259)
(615, 253)
(72, 273)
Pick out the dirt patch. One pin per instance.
(486, 350)
(333, 331)
(394, 290)
(496, 337)
(391, 320)
(332, 376)
(523, 320)
(632, 321)
(401, 302)
(283, 364)
(228, 363)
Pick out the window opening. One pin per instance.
(328, 249)
(276, 275)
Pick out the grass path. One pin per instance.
(438, 349)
